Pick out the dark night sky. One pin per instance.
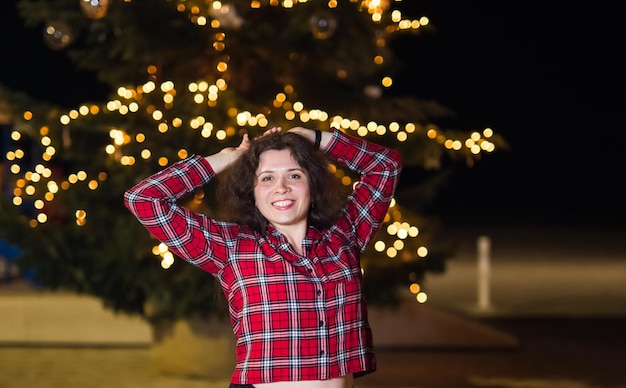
(548, 76)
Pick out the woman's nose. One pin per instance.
(280, 187)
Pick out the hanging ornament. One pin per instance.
(373, 91)
(94, 9)
(227, 16)
(57, 34)
(322, 24)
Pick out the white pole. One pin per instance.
(484, 273)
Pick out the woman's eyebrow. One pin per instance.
(278, 169)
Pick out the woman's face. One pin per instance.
(281, 190)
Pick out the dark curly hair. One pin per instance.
(236, 185)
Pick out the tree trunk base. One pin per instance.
(197, 348)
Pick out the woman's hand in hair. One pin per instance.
(221, 160)
(310, 135)
(269, 131)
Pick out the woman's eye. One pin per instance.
(294, 176)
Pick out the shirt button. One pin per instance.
(309, 270)
(321, 323)
(318, 292)
(321, 352)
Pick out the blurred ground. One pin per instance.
(560, 292)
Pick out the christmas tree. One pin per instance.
(190, 77)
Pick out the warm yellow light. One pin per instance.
(127, 160)
(422, 252)
(414, 288)
(52, 187)
(167, 86)
(398, 245)
(148, 87)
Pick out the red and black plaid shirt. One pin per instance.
(294, 317)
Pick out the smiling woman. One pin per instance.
(285, 254)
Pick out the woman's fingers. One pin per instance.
(269, 131)
(245, 142)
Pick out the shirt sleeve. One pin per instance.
(379, 168)
(192, 236)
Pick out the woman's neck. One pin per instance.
(295, 236)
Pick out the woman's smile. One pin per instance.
(283, 204)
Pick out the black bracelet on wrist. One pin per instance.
(318, 138)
